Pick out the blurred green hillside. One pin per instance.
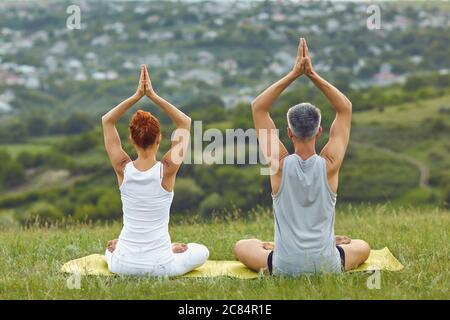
(211, 59)
(398, 153)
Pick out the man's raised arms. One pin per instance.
(334, 150)
(271, 146)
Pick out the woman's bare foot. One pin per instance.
(112, 245)
(179, 247)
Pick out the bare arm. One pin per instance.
(334, 150)
(180, 140)
(271, 146)
(262, 120)
(113, 145)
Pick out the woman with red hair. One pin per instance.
(146, 187)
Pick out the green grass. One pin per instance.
(417, 237)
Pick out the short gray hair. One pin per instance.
(304, 120)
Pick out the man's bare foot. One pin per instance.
(179, 247)
(342, 240)
(268, 245)
(112, 245)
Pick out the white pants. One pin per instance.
(195, 256)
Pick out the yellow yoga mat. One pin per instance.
(95, 264)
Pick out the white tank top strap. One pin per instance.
(127, 165)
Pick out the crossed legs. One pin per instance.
(187, 257)
(356, 253)
(254, 253)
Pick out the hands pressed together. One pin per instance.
(303, 63)
(145, 87)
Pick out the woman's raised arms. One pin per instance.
(118, 157)
(180, 138)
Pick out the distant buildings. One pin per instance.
(12, 74)
(6, 98)
(210, 77)
(192, 50)
(386, 77)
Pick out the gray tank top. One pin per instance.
(304, 209)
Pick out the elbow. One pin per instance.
(349, 106)
(187, 123)
(254, 106)
(106, 119)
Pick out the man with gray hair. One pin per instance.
(304, 120)
(304, 184)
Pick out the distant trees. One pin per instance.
(13, 131)
(213, 203)
(203, 102)
(415, 83)
(37, 123)
(447, 197)
(241, 116)
(80, 143)
(188, 195)
(12, 173)
(29, 99)
(97, 203)
(30, 160)
(204, 189)
(209, 114)
(415, 88)
(78, 122)
(43, 211)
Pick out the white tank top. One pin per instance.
(144, 240)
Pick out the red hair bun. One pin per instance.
(144, 128)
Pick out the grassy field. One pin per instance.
(418, 238)
(411, 114)
(416, 133)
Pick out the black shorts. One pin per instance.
(270, 258)
(269, 262)
(342, 254)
